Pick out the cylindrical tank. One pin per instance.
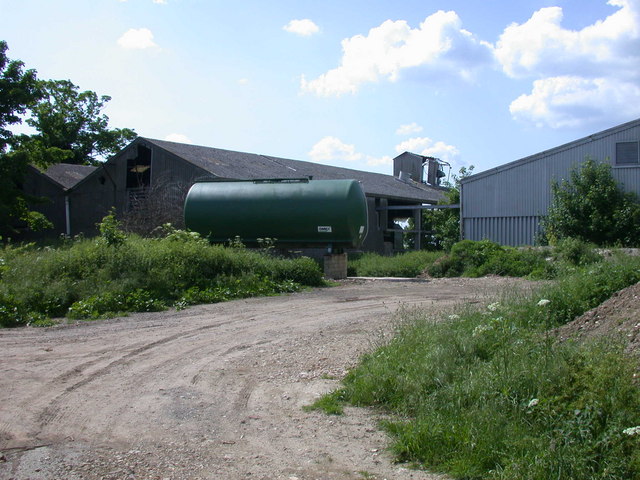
(296, 212)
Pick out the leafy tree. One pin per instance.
(71, 127)
(592, 207)
(18, 92)
(445, 223)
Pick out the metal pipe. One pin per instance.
(67, 214)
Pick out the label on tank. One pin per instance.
(325, 229)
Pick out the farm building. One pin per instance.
(505, 204)
(54, 186)
(148, 180)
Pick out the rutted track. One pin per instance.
(214, 391)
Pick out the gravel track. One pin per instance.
(211, 392)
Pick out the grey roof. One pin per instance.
(249, 166)
(67, 174)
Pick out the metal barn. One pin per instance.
(505, 204)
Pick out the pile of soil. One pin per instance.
(618, 316)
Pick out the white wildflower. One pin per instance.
(632, 431)
(543, 302)
(533, 403)
(480, 329)
(453, 316)
(492, 307)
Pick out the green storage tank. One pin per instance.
(296, 212)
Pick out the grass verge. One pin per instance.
(489, 394)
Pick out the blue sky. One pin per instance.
(348, 83)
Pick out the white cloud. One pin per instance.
(243, 81)
(177, 137)
(334, 149)
(542, 47)
(304, 27)
(574, 101)
(162, 2)
(409, 129)
(438, 45)
(581, 76)
(375, 161)
(426, 146)
(135, 39)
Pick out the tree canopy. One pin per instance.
(445, 223)
(592, 207)
(18, 92)
(69, 127)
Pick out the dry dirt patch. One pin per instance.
(618, 316)
(212, 392)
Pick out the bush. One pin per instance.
(592, 207)
(575, 252)
(475, 259)
(95, 278)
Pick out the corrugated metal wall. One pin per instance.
(503, 230)
(505, 204)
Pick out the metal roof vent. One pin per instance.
(404, 177)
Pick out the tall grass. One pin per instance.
(488, 393)
(410, 264)
(90, 278)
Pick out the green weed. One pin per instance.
(488, 393)
(102, 277)
(410, 264)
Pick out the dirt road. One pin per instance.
(211, 392)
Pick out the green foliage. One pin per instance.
(93, 279)
(71, 127)
(113, 303)
(590, 206)
(575, 252)
(487, 393)
(410, 264)
(18, 92)
(445, 223)
(111, 230)
(331, 404)
(475, 259)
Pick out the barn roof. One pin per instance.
(250, 166)
(67, 174)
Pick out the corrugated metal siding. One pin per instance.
(514, 231)
(492, 202)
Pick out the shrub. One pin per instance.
(592, 207)
(475, 259)
(84, 278)
(575, 252)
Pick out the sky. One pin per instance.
(351, 83)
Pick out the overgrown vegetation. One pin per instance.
(118, 273)
(488, 393)
(592, 207)
(476, 259)
(444, 224)
(410, 264)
